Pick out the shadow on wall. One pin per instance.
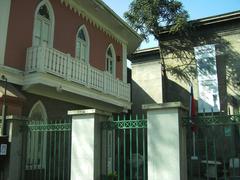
(175, 92)
(178, 52)
(139, 97)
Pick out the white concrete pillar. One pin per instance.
(167, 158)
(86, 143)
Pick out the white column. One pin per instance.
(4, 18)
(86, 143)
(166, 142)
(124, 63)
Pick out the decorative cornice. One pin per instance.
(76, 8)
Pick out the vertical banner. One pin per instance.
(207, 79)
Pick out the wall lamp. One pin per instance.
(119, 59)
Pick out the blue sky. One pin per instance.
(196, 8)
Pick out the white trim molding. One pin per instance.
(13, 75)
(54, 87)
(5, 6)
(39, 108)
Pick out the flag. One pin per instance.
(192, 111)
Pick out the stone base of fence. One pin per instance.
(167, 158)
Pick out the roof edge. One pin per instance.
(120, 20)
(216, 18)
(210, 20)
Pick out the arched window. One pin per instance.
(82, 44)
(111, 60)
(37, 141)
(38, 112)
(43, 25)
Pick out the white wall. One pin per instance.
(148, 76)
(4, 18)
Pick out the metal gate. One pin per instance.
(126, 148)
(2, 174)
(214, 149)
(47, 150)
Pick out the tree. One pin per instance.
(153, 17)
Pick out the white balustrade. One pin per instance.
(111, 84)
(49, 60)
(31, 60)
(77, 71)
(124, 90)
(95, 78)
(55, 62)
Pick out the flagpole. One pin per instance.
(194, 157)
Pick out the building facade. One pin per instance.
(209, 61)
(214, 75)
(57, 56)
(64, 55)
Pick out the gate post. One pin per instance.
(167, 157)
(86, 143)
(14, 163)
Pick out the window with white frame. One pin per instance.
(43, 25)
(110, 60)
(82, 44)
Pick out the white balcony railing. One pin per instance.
(49, 60)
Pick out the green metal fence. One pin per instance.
(214, 149)
(2, 174)
(129, 147)
(47, 150)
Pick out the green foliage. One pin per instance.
(150, 17)
(112, 176)
(153, 17)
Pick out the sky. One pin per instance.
(196, 8)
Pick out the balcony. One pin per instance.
(53, 62)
